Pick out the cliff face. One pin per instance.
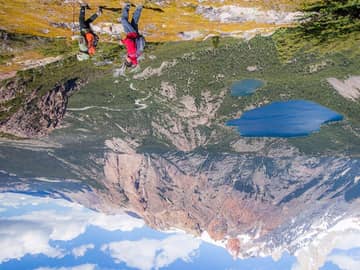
(235, 198)
(37, 115)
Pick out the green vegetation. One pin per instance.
(333, 138)
(197, 68)
(327, 26)
(326, 19)
(44, 78)
(9, 136)
(20, 43)
(107, 108)
(5, 57)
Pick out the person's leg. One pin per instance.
(128, 28)
(136, 17)
(82, 22)
(92, 18)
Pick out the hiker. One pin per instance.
(134, 42)
(88, 40)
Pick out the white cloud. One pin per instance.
(345, 262)
(122, 222)
(31, 232)
(17, 200)
(20, 238)
(72, 223)
(81, 250)
(79, 267)
(154, 253)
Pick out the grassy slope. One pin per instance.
(34, 17)
(284, 81)
(275, 57)
(37, 18)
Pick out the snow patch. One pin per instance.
(345, 172)
(207, 238)
(356, 179)
(344, 235)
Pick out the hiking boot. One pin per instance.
(84, 4)
(99, 11)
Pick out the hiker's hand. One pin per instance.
(99, 11)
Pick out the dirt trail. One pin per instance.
(138, 102)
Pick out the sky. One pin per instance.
(44, 233)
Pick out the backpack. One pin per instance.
(96, 40)
(140, 45)
(93, 38)
(92, 42)
(82, 44)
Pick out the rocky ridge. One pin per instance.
(38, 115)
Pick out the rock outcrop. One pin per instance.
(349, 88)
(37, 115)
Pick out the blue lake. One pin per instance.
(245, 87)
(284, 119)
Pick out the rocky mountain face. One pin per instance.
(255, 204)
(37, 114)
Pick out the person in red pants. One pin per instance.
(134, 42)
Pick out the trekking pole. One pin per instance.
(149, 7)
(73, 17)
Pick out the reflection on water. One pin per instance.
(284, 119)
(193, 210)
(245, 87)
(45, 233)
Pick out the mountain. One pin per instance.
(274, 201)
(262, 203)
(153, 140)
